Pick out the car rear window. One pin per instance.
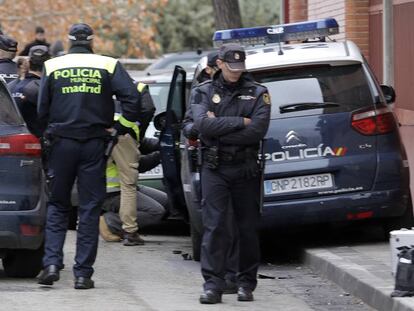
(8, 111)
(345, 86)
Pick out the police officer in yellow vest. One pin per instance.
(76, 110)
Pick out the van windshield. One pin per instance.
(345, 88)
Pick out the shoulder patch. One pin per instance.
(266, 98)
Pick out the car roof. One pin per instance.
(333, 53)
(165, 77)
(186, 58)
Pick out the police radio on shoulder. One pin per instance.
(277, 33)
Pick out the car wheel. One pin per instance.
(196, 242)
(406, 220)
(23, 263)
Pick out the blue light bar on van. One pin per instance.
(277, 33)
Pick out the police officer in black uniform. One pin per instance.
(8, 49)
(25, 91)
(75, 111)
(232, 114)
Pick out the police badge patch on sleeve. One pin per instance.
(266, 98)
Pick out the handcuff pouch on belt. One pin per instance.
(211, 157)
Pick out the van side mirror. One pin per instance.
(160, 121)
(389, 93)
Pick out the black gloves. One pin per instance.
(251, 169)
(122, 130)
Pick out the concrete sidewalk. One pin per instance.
(363, 271)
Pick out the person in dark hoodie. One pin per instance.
(25, 91)
(40, 39)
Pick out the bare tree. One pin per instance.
(227, 14)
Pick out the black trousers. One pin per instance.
(85, 160)
(224, 188)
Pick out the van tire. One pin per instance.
(196, 238)
(23, 263)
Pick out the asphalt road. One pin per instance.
(157, 277)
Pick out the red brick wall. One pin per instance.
(357, 23)
(329, 8)
(298, 10)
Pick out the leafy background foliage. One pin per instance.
(128, 28)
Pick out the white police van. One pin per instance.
(333, 150)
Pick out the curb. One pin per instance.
(370, 281)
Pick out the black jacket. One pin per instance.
(8, 70)
(76, 90)
(25, 93)
(230, 104)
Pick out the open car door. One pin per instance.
(170, 143)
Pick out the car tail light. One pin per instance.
(374, 122)
(360, 215)
(20, 144)
(30, 230)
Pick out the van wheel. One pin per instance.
(406, 220)
(23, 263)
(196, 238)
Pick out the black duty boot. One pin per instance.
(131, 239)
(49, 275)
(244, 294)
(210, 296)
(83, 283)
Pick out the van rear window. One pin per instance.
(345, 87)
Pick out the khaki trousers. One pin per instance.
(126, 157)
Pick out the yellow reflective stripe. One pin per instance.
(141, 86)
(80, 60)
(129, 124)
(112, 179)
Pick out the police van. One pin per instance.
(333, 151)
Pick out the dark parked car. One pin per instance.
(332, 153)
(22, 193)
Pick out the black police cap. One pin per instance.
(8, 43)
(80, 32)
(211, 59)
(39, 51)
(234, 55)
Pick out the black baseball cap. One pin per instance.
(38, 51)
(80, 32)
(211, 59)
(234, 55)
(8, 43)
